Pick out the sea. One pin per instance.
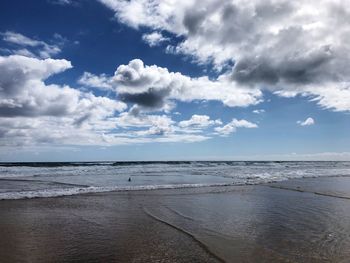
(52, 179)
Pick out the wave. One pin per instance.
(98, 189)
(53, 164)
(192, 163)
(76, 189)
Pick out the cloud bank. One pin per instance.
(155, 88)
(286, 47)
(33, 112)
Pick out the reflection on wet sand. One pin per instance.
(262, 223)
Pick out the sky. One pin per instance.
(174, 80)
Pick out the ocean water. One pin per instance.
(34, 180)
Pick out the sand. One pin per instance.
(303, 220)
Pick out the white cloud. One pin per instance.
(91, 80)
(153, 87)
(33, 112)
(287, 47)
(154, 39)
(200, 121)
(309, 121)
(144, 128)
(258, 111)
(232, 126)
(332, 96)
(20, 39)
(24, 93)
(42, 49)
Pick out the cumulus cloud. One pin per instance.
(39, 48)
(33, 110)
(24, 93)
(154, 39)
(232, 126)
(152, 98)
(155, 88)
(309, 121)
(287, 47)
(35, 113)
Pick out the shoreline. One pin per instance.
(90, 190)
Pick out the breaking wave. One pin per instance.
(94, 189)
(32, 180)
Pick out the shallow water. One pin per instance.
(255, 223)
(28, 180)
(264, 224)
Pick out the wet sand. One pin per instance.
(302, 220)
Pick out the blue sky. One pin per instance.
(115, 80)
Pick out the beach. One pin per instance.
(163, 131)
(297, 220)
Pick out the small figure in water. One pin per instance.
(129, 179)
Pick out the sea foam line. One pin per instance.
(95, 189)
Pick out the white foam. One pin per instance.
(107, 178)
(94, 189)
